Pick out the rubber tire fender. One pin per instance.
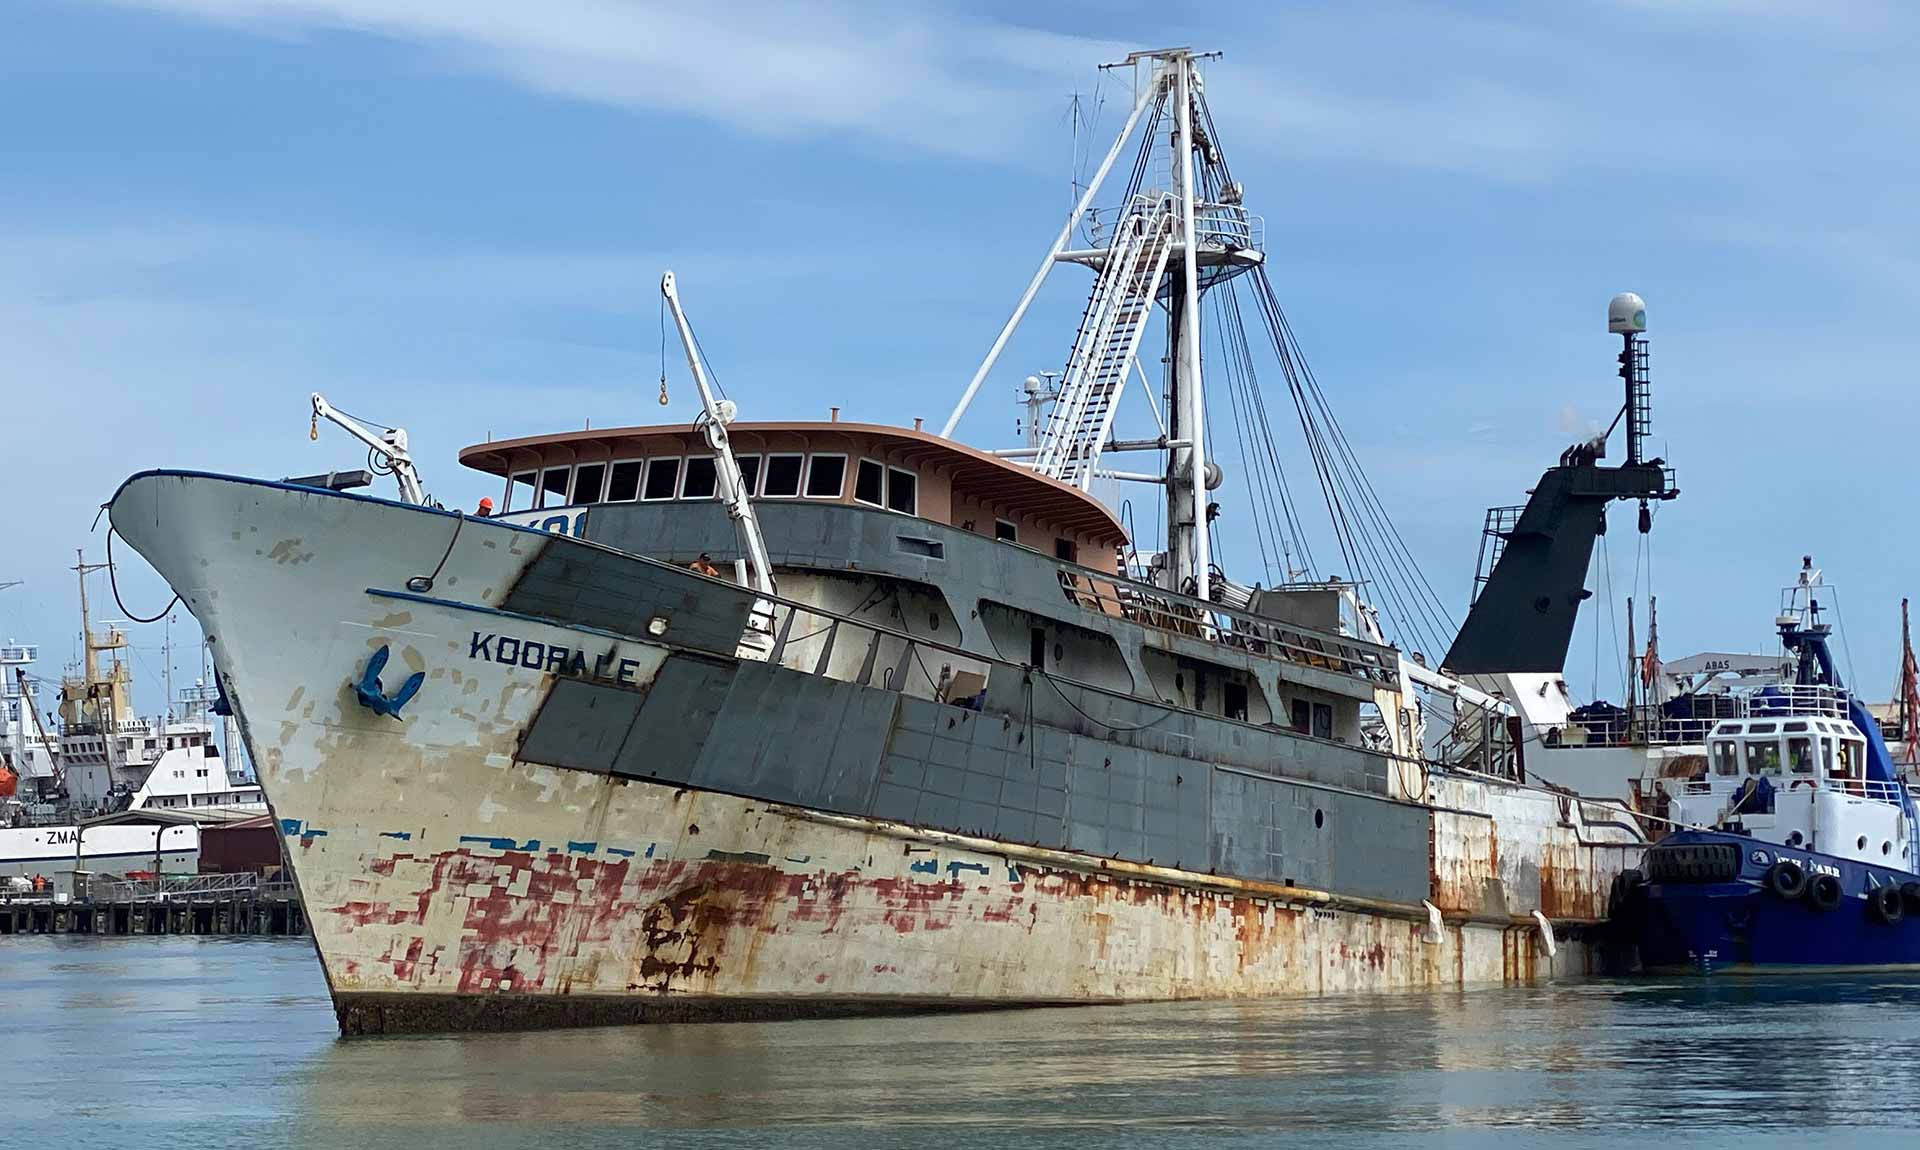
(1787, 879)
(1824, 892)
(1885, 904)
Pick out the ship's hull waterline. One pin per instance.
(453, 885)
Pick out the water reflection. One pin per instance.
(231, 1042)
(1593, 1056)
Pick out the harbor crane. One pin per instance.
(389, 445)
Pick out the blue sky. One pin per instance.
(452, 214)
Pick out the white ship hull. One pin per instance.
(451, 885)
(57, 851)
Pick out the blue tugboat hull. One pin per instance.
(1712, 906)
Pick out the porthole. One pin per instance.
(1886, 848)
(1059, 652)
(933, 620)
(1319, 818)
(1861, 844)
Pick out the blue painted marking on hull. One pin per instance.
(583, 848)
(500, 844)
(403, 836)
(1717, 927)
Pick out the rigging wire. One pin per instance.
(1422, 611)
(1274, 476)
(1256, 488)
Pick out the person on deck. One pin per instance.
(704, 566)
(486, 508)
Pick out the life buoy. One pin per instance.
(1787, 879)
(1823, 892)
(1910, 894)
(1885, 904)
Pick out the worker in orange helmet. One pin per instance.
(486, 508)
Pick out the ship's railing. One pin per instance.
(171, 888)
(1796, 699)
(892, 658)
(1875, 789)
(19, 653)
(1229, 227)
(1650, 725)
(1164, 610)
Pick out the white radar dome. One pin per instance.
(1626, 314)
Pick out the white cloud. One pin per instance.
(918, 76)
(887, 72)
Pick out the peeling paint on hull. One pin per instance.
(451, 886)
(862, 926)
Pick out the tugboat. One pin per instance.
(1801, 840)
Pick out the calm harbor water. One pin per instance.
(181, 1042)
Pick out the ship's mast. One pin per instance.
(1187, 551)
(1152, 256)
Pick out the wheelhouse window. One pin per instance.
(1763, 758)
(520, 492)
(867, 483)
(623, 481)
(826, 476)
(783, 476)
(663, 479)
(553, 486)
(1065, 549)
(700, 478)
(588, 480)
(903, 491)
(1726, 758)
(1800, 753)
(1006, 531)
(1323, 720)
(749, 475)
(1298, 715)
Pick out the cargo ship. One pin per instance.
(767, 719)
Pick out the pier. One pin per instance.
(218, 904)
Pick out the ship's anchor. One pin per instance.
(374, 697)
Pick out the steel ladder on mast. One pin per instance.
(1109, 338)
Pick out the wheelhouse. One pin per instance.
(1790, 752)
(897, 470)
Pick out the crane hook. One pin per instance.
(663, 390)
(313, 429)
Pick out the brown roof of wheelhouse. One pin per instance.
(985, 477)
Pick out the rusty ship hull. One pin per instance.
(525, 844)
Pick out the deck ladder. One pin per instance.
(1109, 338)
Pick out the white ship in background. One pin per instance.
(98, 787)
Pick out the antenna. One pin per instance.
(1627, 318)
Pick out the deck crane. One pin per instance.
(714, 417)
(390, 444)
